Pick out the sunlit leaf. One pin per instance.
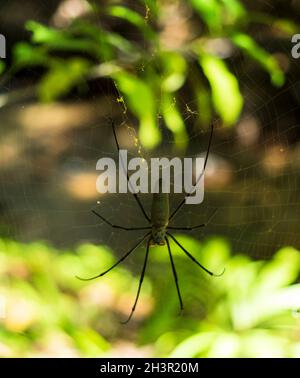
(287, 26)
(190, 244)
(102, 41)
(61, 78)
(27, 55)
(121, 43)
(226, 95)
(68, 264)
(166, 343)
(286, 299)
(133, 17)
(62, 40)
(97, 37)
(226, 345)
(215, 253)
(248, 313)
(174, 121)
(41, 33)
(234, 11)
(239, 269)
(282, 270)
(210, 11)
(295, 350)
(283, 25)
(194, 345)
(266, 60)
(2, 67)
(149, 133)
(152, 8)
(141, 101)
(94, 257)
(263, 344)
(90, 342)
(174, 71)
(204, 105)
(219, 13)
(164, 319)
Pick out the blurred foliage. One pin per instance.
(136, 49)
(254, 312)
(251, 311)
(2, 66)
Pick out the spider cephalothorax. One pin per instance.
(158, 236)
(158, 229)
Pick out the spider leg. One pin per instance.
(119, 227)
(174, 274)
(193, 258)
(200, 176)
(117, 263)
(140, 283)
(187, 228)
(193, 227)
(134, 194)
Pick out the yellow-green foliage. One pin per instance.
(151, 74)
(251, 311)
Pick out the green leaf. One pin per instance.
(204, 105)
(152, 8)
(263, 344)
(174, 71)
(266, 60)
(42, 33)
(63, 40)
(121, 43)
(2, 67)
(286, 26)
(282, 270)
(141, 101)
(62, 76)
(234, 11)
(89, 255)
(226, 345)
(239, 269)
(149, 133)
(173, 120)
(194, 345)
(165, 318)
(219, 13)
(90, 342)
(210, 11)
(102, 40)
(271, 304)
(27, 55)
(133, 17)
(215, 253)
(226, 95)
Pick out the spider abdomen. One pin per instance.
(159, 217)
(160, 210)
